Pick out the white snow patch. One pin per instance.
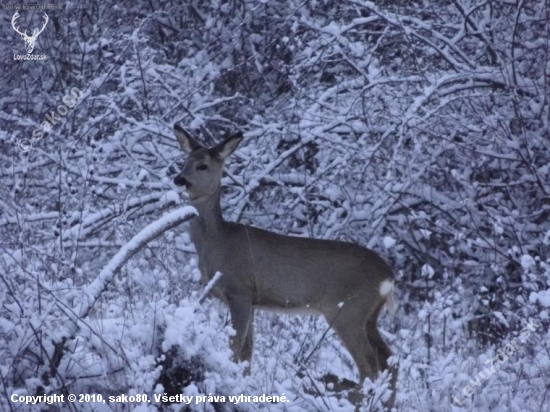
(210, 286)
(527, 262)
(389, 242)
(428, 271)
(171, 196)
(501, 318)
(143, 174)
(425, 233)
(543, 297)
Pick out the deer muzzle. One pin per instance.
(181, 181)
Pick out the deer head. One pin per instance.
(203, 168)
(29, 40)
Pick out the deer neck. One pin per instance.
(210, 220)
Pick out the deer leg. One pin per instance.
(248, 346)
(355, 340)
(241, 311)
(383, 352)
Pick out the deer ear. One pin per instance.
(187, 143)
(228, 146)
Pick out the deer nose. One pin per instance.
(181, 181)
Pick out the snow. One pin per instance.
(150, 232)
(419, 133)
(527, 262)
(389, 242)
(542, 297)
(211, 284)
(427, 271)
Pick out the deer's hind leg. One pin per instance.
(383, 352)
(349, 325)
(380, 347)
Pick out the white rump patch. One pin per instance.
(386, 290)
(386, 287)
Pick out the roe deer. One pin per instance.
(346, 283)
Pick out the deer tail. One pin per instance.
(387, 288)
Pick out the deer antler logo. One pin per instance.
(29, 40)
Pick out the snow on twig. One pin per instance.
(210, 286)
(150, 232)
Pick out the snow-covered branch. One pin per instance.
(146, 235)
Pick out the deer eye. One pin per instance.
(202, 167)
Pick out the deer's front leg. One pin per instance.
(242, 316)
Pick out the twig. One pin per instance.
(210, 287)
(149, 233)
